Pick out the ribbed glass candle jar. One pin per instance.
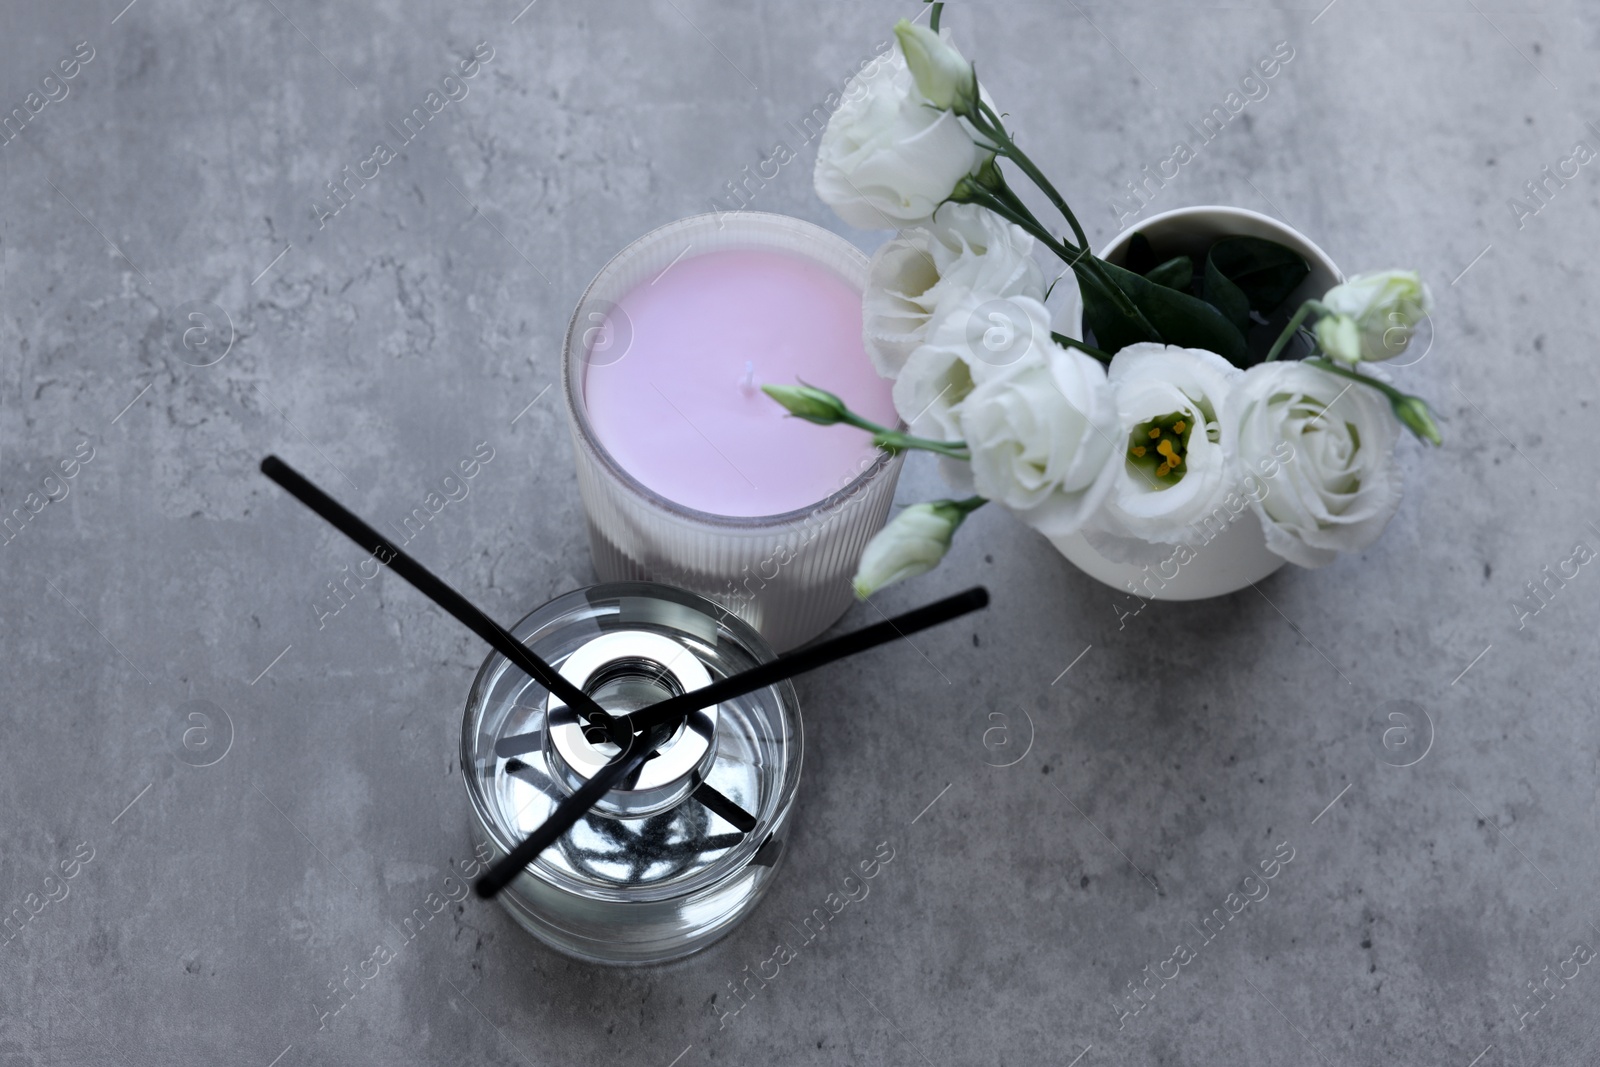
(788, 575)
(651, 873)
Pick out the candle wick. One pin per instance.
(748, 382)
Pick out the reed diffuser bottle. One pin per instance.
(679, 852)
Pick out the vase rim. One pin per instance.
(1227, 211)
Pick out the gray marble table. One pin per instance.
(212, 911)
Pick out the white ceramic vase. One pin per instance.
(1238, 556)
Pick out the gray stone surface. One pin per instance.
(221, 901)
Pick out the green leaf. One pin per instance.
(1265, 271)
(1141, 257)
(1176, 273)
(1179, 319)
(1226, 297)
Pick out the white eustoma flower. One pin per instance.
(964, 251)
(1373, 317)
(1173, 470)
(1042, 432)
(888, 157)
(1339, 485)
(912, 543)
(973, 337)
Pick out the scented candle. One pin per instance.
(683, 413)
(689, 474)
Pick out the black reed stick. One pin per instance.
(567, 813)
(430, 586)
(619, 727)
(656, 717)
(718, 804)
(794, 663)
(940, 611)
(651, 720)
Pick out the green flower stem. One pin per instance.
(969, 505)
(895, 441)
(1412, 411)
(995, 129)
(1084, 265)
(933, 19)
(1072, 342)
(1009, 196)
(825, 409)
(1019, 214)
(990, 125)
(1077, 256)
(1008, 148)
(1324, 363)
(1293, 327)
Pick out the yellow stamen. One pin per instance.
(1179, 426)
(1163, 470)
(1155, 432)
(1165, 449)
(1138, 450)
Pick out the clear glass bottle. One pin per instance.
(651, 874)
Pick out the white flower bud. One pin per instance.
(1339, 337)
(913, 543)
(943, 76)
(1386, 308)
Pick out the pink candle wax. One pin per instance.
(682, 410)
